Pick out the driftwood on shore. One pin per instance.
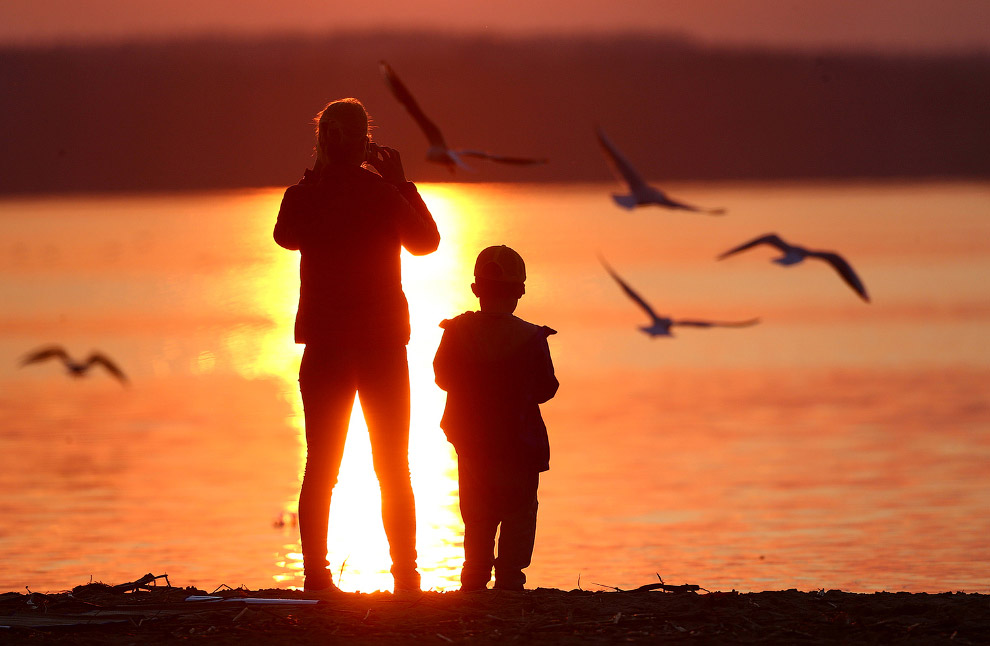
(143, 612)
(141, 583)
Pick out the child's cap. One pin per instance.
(500, 264)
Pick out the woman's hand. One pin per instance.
(387, 162)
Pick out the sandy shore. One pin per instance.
(162, 614)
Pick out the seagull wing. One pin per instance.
(629, 174)
(845, 270)
(674, 204)
(405, 97)
(695, 323)
(631, 293)
(455, 157)
(46, 353)
(111, 367)
(503, 159)
(770, 239)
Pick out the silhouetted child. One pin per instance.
(496, 369)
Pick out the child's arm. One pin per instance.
(545, 381)
(443, 361)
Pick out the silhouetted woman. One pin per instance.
(349, 225)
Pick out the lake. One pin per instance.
(836, 444)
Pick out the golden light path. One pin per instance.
(437, 287)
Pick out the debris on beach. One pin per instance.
(142, 611)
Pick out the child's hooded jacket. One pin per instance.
(497, 370)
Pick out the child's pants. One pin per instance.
(486, 503)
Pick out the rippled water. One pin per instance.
(836, 444)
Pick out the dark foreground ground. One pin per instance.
(160, 614)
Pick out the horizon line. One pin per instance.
(672, 37)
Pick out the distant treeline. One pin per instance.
(219, 112)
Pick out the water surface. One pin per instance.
(836, 444)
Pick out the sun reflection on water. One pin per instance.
(437, 287)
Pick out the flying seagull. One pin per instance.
(641, 193)
(661, 324)
(438, 152)
(794, 254)
(75, 368)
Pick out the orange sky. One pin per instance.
(912, 25)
